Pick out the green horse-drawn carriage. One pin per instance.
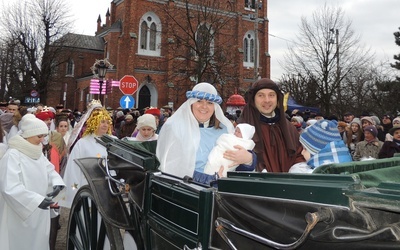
(129, 204)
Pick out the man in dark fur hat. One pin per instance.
(277, 140)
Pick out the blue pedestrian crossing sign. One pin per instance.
(127, 102)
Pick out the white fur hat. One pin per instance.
(311, 122)
(31, 126)
(146, 120)
(247, 130)
(299, 119)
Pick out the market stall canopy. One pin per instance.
(290, 103)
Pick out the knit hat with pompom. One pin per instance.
(318, 135)
(372, 129)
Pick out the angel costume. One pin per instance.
(87, 146)
(227, 142)
(74, 179)
(26, 177)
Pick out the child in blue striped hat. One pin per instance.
(322, 144)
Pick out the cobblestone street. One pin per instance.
(61, 243)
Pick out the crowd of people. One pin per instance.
(198, 140)
(38, 173)
(366, 136)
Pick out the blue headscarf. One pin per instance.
(204, 95)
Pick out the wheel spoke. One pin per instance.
(87, 229)
(75, 243)
(73, 240)
(81, 223)
(93, 225)
(87, 215)
(102, 235)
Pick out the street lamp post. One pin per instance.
(102, 70)
(99, 69)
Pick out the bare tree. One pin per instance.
(301, 88)
(203, 35)
(30, 29)
(326, 52)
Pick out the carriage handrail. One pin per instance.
(311, 218)
(109, 178)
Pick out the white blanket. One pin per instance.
(216, 159)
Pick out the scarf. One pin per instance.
(373, 141)
(25, 147)
(333, 152)
(139, 137)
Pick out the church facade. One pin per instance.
(168, 46)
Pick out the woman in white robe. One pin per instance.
(26, 179)
(98, 124)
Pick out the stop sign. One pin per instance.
(128, 85)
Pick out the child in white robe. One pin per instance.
(242, 136)
(29, 184)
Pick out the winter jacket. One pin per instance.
(127, 128)
(389, 148)
(365, 150)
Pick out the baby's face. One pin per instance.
(238, 133)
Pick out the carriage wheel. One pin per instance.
(86, 227)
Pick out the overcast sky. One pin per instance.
(86, 13)
(374, 20)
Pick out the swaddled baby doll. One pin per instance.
(242, 136)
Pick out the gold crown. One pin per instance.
(94, 103)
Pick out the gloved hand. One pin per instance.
(46, 203)
(56, 190)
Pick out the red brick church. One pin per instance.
(168, 46)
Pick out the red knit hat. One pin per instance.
(44, 115)
(153, 111)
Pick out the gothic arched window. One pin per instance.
(249, 49)
(150, 35)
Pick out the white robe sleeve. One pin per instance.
(21, 200)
